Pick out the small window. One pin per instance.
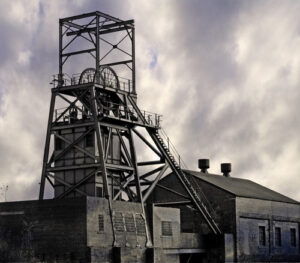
(278, 236)
(262, 235)
(166, 228)
(101, 223)
(89, 140)
(118, 222)
(99, 192)
(129, 223)
(293, 237)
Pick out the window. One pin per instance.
(262, 235)
(129, 223)
(89, 140)
(101, 223)
(293, 237)
(166, 228)
(118, 222)
(278, 236)
(99, 192)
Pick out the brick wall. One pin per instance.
(43, 230)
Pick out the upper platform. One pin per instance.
(100, 46)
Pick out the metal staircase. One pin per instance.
(195, 194)
(191, 190)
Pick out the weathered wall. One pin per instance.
(129, 227)
(191, 221)
(252, 213)
(34, 231)
(166, 214)
(161, 240)
(223, 204)
(70, 230)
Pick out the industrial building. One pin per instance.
(113, 203)
(261, 225)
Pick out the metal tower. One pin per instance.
(94, 121)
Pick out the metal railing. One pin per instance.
(112, 110)
(122, 83)
(173, 151)
(182, 165)
(67, 115)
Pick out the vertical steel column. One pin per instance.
(60, 44)
(47, 146)
(101, 160)
(97, 77)
(133, 60)
(138, 185)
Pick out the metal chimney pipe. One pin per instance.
(203, 165)
(226, 169)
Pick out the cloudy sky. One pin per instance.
(224, 74)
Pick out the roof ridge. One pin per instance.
(242, 187)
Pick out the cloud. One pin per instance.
(225, 75)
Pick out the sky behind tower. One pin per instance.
(224, 74)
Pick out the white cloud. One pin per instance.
(226, 80)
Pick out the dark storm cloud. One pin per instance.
(225, 75)
(231, 87)
(29, 56)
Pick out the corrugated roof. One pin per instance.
(242, 187)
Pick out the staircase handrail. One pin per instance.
(182, 164)
(172, 149)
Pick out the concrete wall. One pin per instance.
(129, 226)
(165, 214)
(168, 247)
(70, 230)
(49, 230)
(252, 213)
(162, 241)
(223, 204)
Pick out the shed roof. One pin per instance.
(242, 187)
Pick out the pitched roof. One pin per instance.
(242, 187)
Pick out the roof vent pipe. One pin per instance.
(226, 169)
(203, 165)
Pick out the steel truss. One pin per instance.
(96, 104)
